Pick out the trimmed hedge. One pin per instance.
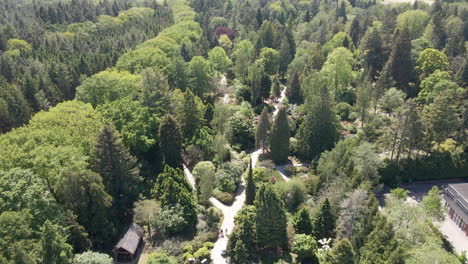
(438, 166)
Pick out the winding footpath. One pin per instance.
(229, 212)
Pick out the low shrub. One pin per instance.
(224, 197)
(264, 175)
(343, 110)
(290, 170)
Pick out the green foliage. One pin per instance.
(293, 90)
(400, 193)
(169, 221)
(53, 141)
(242, 243)
(302, 222)
(338, 71)
(381, 245)
(204, 173)
(292, 193)
(442, 117)
(343, 110)
(391, 100)
(21, 189)
(174, 193)
(19, 44)
(304, 246)
(90, 257)
(219, 59)
(144, 212)
(399, 66)
(155, 91)
(241, 128)
(189, 112)
(431, 60)
(242, 55)
(435, 84)
(86, 196)
(279, 141)
(431, 252)
(415, 21)
(202, 253)
(342, 253)
(262, 130)
(119, 173)
(372, 47)
(324, 222)
(432, 204)
(270, 219)
(19, 246)
(108, 86)
(55, 248)
(199, 72)
(161, 257)
(320, 129)
(271, 60)
(134, 122)
(14, 109)
(255, 75)
(437, 166)
(171, 141)
(144, 57)
(250, 188)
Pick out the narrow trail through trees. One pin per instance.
(229, 212)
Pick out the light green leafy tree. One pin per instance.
(304, 246)
(415, 21)
(431, 60)
(204, 173)
(432, 204)
(219, 59)
(271, 60)
(199, 75)
(338, 70)
(108, 86)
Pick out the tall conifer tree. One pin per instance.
(263, 128)
(171, 141)
(279, 142)
(271, 219)
(119, 173)
(250, 187)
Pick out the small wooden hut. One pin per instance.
(127, 247)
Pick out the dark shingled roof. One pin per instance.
(456, 195)
(130, 239)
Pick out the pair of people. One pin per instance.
(221, 232)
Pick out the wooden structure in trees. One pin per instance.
(127, 248)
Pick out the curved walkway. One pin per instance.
(229, 212)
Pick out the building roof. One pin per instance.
(131, 239)
(456, 195)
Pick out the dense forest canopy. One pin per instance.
(250, 131)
